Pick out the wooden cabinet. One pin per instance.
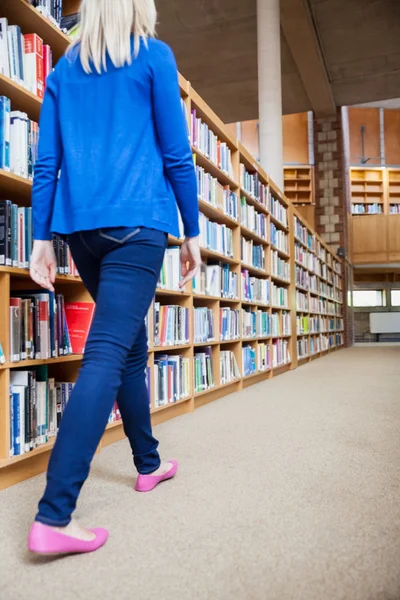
(375, 239)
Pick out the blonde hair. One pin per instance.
(106, 27)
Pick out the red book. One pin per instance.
(33, 65)
(47, 63)
(79, 319)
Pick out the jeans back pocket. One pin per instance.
(119, 235)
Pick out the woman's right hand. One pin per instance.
(190, 259)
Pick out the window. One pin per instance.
(395, 297)
(363, 298)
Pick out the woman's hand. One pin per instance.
(43, 265)
(190, 259)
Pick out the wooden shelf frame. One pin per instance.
(16, 469)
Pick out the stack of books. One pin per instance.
(204, 330)
(37, 403)
(171, 379)
(203, 370)
(251, 184)
(255, 290)
(215, 237)
(24, 58)
(256, 324)
(208, 143)
(216, 280)
(279, 238)
(171, 325)
(215, 194)
(18, 141)
(264, 357)
(253, 220)
(229, 324)
(228, 367)
(302, 277)
(277, 210)
(302, 348)
(301, 301)
(170, 271)
(249, 360)
(280, 353)
(38, 326)
(279, 267)
(279, 296)
(252, 254)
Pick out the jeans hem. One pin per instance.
(52, 522)
(149, 472)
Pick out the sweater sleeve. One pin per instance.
(48, 163)
(173, 136)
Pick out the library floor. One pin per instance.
(288, 490)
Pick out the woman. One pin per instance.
(112, 122)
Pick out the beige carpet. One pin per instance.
(289, 490)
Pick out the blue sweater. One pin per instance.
(121, 142)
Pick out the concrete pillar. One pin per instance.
(270, 88)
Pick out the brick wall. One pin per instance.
(331, 205)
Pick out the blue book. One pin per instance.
(5, 108)
(16, 424)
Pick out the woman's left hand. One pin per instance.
(43, 265)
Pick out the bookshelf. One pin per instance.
(262, 231)
(299, 184)
(368, 194)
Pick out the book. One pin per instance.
(79, 316)
(215, 237)
(203, 369)
(5, 124)
(252, 184)
(171, 379)
(204, 328)
(170, 325)
(4, 51)
(252, 254)
(228, 367)
(37, 326)
(34, 64)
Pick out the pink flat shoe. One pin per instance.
(44, 540)
(146, 483)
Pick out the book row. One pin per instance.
(250, 183)
(252, 254)
(19, 138)
(252, 219)
(24, 58)
(216, 280)
(205, 140)
(37, 403)
(51, 9)
(43, 325)
(215, 194)
(16, 240)
(279, 267)
(279, 238)
(215, 237)
(318, 324)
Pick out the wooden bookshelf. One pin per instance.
(66, 368)
(368, 190)
(299, 184)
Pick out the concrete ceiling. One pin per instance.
(334, 52)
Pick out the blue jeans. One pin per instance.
(120, 269)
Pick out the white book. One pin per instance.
(41, 399)
(4, 53)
